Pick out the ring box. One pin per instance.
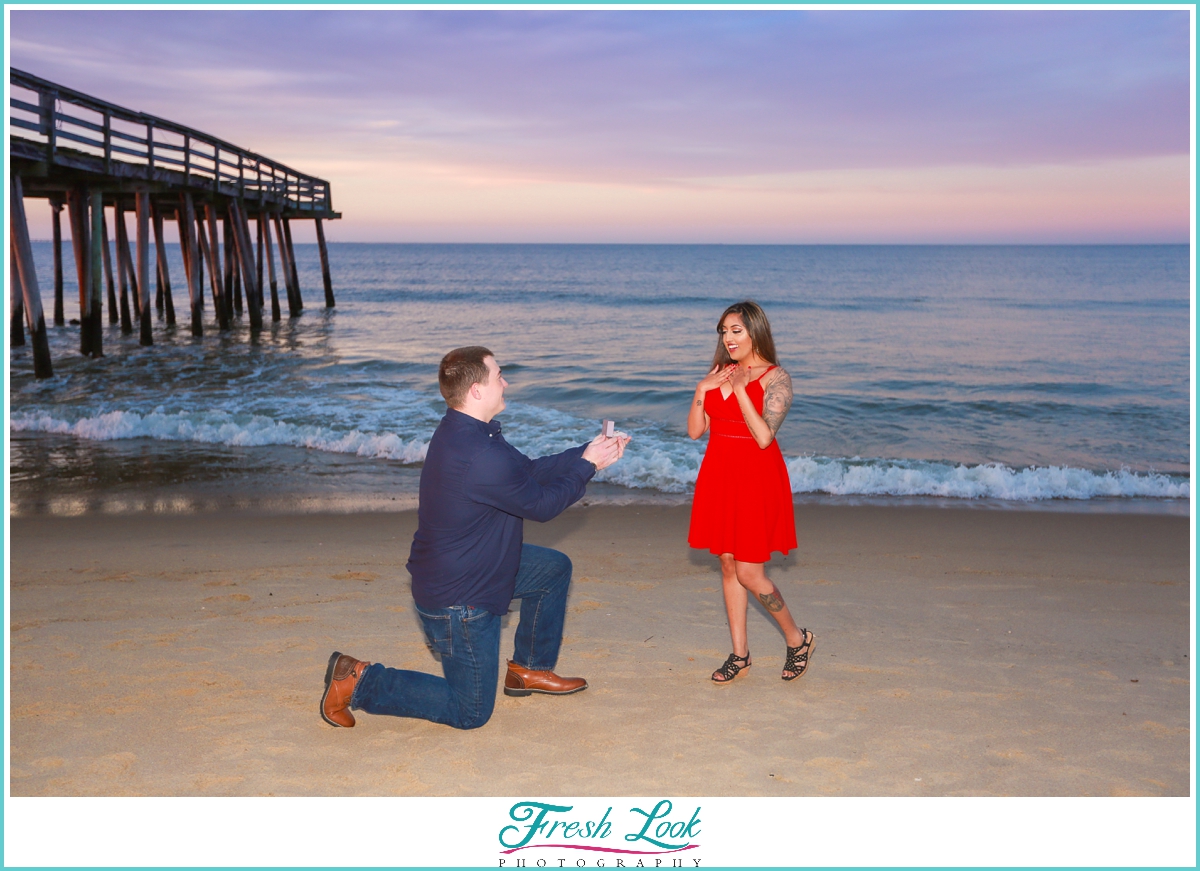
(608, 429)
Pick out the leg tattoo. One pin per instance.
(772, 601)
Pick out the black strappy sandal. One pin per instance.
(732, 667)
(797, 657)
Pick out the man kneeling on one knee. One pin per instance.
(468, 563)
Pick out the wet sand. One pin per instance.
(959, 652)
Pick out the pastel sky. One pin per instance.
(792, 126)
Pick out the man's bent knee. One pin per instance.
(556, 563)
(546, 559)
(564, 565)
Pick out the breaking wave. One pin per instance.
(658, 459)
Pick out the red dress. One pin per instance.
(743, 500)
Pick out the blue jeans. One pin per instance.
(468, 639)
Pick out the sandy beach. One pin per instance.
(960, 652)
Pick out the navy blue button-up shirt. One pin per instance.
(476, 491)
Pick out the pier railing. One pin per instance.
(68, 128)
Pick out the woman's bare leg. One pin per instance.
(735, 604)
(754, 578)
(736, 601)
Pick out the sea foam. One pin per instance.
(223, 428)
(984, 481)
(657, 459)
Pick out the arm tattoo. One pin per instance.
(772, 601)
(700, 402)
(777, 401)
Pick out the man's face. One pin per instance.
(492, 393)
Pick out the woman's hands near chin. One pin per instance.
(739, 377)
(714, 379)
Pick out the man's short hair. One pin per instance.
(461, 368)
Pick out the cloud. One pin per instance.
(645, 100)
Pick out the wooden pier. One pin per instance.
(89, 155)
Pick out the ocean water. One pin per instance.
(962, 375)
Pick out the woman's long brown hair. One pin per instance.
(757, 326)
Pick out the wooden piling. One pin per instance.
(199, 262)
(258, 259)
(245, 255)
(210, 215)
(256, 284)
(183, 242)
(143, 265)
(108, 271)
(158, 280)
(291, 249)
(270, 258)
(212, 257)
(16, 327)
(283, 262)
(235, 272)
(30, 296)
(329, 303)
(187, 225)
(131, 269)
(77, 214)
(181, 221)
(164, 271)
(56, 206)
(122, 272)
(221, 303)
(237, 282)
(285, 267)
(205, 252)
(135, 295)
(230, 260)
(93, 322)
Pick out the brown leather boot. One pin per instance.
(522, 681)
(341, 677)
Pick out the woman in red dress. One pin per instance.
(742, 509)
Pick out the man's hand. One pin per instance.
(622, 440)
(602, 452)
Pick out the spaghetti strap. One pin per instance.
(765, 374)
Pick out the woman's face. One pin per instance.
(735, 337)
